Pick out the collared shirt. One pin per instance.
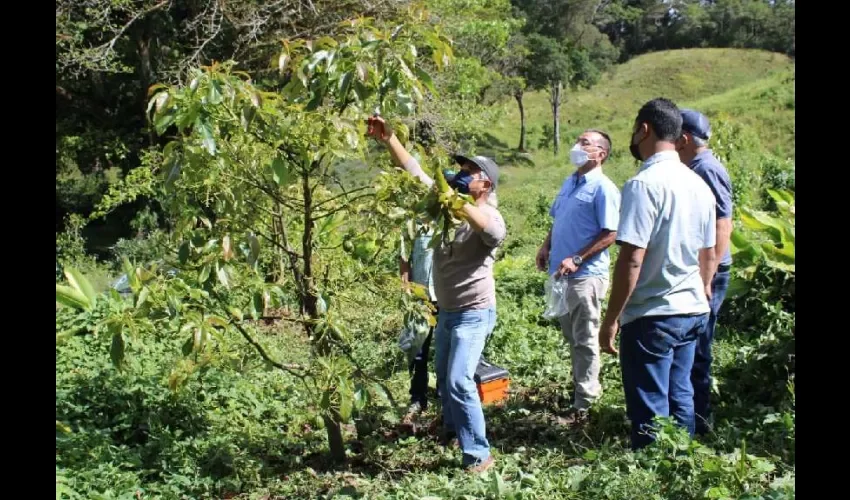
(707, 166)
(586, 205)
(668, 210)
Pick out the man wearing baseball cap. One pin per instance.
(466, 292)
(693, 151)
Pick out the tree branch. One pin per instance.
(108, 46)
(317, 205)
(340, 209)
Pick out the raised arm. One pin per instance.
(382, 133)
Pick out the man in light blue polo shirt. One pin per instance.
(662, 279)
(694, 152)
(586, 214)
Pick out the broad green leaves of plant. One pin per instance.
(766, 239)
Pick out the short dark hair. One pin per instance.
(663, 116)
(606, 141)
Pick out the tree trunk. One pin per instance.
(309, 294)
(518, 97)
(278, 235)
(334, 430)
(143, 44)
(556, 116)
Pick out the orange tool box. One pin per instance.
(492, 381)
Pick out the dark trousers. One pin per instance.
(418, 370)
(656, 358)
(419, 373)
(701, 372)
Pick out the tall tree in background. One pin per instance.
(566, 50)
(548, 68)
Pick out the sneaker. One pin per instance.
(482, 466)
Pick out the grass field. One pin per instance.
(250, 435)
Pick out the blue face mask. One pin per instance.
(460, 182)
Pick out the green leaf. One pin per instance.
(215, 92)
(188, 346)
(781, 196)
(198, 339)
(164, 121)
(204, 128)
(204, 274)
(80, 283)
(404, 68)
(248, 114)
(316, 101)
(69, 297)
(737, 288)
(282, 62)
(257, 305)
(161, 101)
(217, 321)
(280, 171)
(221, 273)
(183, 253)
(317, 58)
(425, 78)
(236, 313)
(361, 397)
(226, 248)
(362, 71)
(345, 85)
(346, 399)
(143, 296)
(117, 350)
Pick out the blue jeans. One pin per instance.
(460, 337)
(656, 357)
(701, 373)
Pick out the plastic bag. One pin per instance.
(556, 297)
(413, 335)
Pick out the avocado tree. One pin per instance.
(249, 169)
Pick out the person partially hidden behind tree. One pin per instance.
(466, 292)
(418, 269)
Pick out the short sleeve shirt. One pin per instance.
(668, 210)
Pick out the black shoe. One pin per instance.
(574, 416)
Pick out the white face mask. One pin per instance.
(579, 156)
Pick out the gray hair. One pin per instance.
(493, 200)
(699, 141)
(486, 177)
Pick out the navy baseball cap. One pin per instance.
(696, 123)
(486, 164)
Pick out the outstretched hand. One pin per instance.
(378, 128)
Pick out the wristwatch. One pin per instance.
(577, 260)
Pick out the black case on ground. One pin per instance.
(486, 372)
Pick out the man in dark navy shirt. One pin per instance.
(694, 152)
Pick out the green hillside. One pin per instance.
(750, 91)
(753, 87)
